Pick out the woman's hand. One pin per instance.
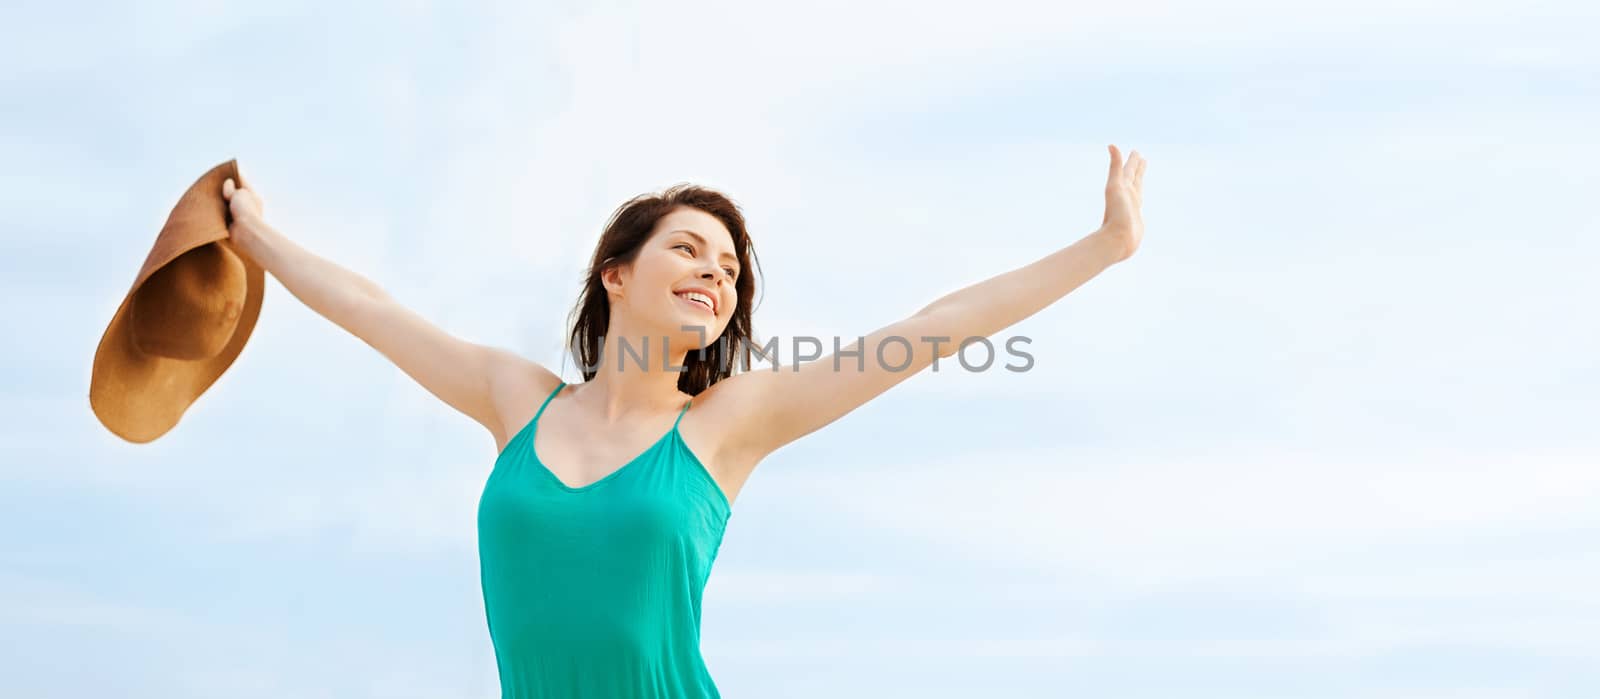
(245, 206)
(243, 202)
(1123, 224)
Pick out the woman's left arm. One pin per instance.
(772, 408)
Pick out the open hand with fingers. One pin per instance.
(1123, 223)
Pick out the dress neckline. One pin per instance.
(533, 448)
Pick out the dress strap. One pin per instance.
(547, 400)
(685, 409)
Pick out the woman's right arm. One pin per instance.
(480, 381)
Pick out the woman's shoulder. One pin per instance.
(513, 376)
(518, 386)
(710, 433)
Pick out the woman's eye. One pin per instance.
(729, 270)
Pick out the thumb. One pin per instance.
(227, 188)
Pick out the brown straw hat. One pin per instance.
(183, 322)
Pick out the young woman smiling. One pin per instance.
(606, 506)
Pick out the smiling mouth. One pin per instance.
(696, 304)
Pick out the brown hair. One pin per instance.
(625, 233)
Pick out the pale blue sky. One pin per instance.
(1330, 433)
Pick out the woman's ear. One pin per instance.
(613, 277)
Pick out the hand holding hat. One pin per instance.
(245, 207)
(187, 316)
(243, 202)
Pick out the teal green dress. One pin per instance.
(594, 591)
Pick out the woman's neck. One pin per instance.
(638, 373)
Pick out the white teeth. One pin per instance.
(697, 296)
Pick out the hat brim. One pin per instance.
(140, 396)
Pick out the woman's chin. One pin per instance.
(694, 328)
(696, 319)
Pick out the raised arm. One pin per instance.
(770, 408)
(475, 379)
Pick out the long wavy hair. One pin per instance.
(625, 233)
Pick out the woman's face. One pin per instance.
(688, 260)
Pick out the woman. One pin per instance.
(605, 509)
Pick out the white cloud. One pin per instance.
(38, 602)
(729, 585)
(1135, 520)
(898, 648)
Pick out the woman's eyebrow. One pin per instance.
(702, 241)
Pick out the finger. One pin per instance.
(1138, 174)
(1116, 162)
(227, 188)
